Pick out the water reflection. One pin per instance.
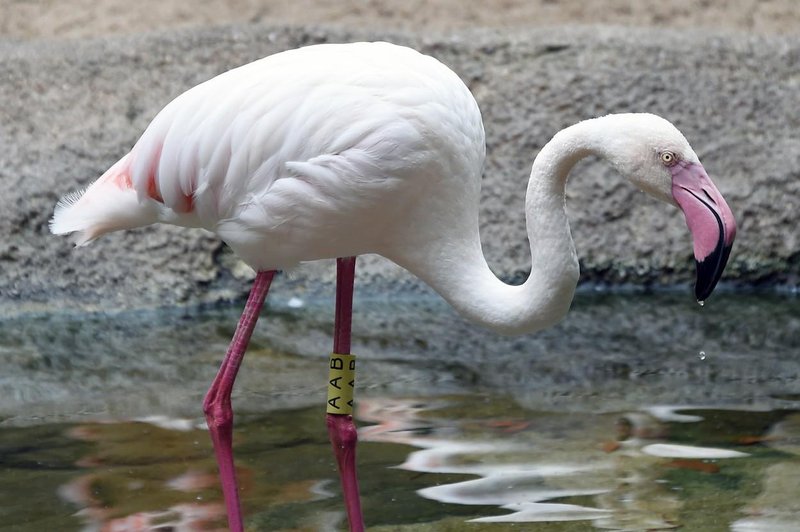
(627, 350)
(535, 471)
(776, 507)
(130, 485)
(426, 463)
(610, 420)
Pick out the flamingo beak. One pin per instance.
(710, 222)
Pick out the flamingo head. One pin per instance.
(656, 157)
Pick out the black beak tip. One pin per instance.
(702, 290)
(709, 271)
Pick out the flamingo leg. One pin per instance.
(341, 428)
(217, 403)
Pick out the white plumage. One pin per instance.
(338, 150)
(343, 149)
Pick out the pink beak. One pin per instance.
(710, 222)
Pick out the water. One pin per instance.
(609, 421)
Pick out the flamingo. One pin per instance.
(336, 150)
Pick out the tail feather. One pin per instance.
(66, 217)
(109, 204)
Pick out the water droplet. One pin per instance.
(702, 355)
(701, 302)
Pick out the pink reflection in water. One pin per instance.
(542, 461)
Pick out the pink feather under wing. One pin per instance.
(108, 204)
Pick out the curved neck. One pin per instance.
(462, 276)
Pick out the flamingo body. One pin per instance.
(332, 151)
(286, 158)
(339, 150)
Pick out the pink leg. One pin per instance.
(217, 404)
(341, 429)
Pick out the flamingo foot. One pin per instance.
(343, 436)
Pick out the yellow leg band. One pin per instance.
(341, 383)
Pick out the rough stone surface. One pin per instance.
(71, 108)
(89, 18)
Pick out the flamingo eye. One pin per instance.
(668, 158)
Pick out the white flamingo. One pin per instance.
(332, 151)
